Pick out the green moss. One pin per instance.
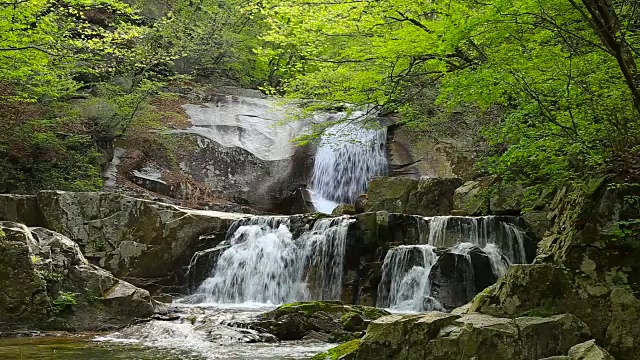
(339, 351)
(313, 306)
(542, 311)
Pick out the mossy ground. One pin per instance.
(339, 351)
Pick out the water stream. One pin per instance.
(348, 157)
(189, 333)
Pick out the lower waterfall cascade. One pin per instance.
(348, 157)
(265, 264)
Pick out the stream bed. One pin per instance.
(203, 332)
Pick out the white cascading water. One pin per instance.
(406, 273)
(405, 286)
(446, 231)
(266, 265)
(348, 157)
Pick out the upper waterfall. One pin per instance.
(349, 156)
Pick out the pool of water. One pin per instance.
(190, 333)
(81, 347)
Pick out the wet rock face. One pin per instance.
(237, 152)
(456, 278)
(430, 197)
(46, 283)
(450, 154)
(149, 244)
(441, 336)
(266, 184)
(319, 320)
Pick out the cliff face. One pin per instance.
(144, 242)
(588, 266)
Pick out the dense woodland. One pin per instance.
(555, 83)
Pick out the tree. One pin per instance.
(567, 83)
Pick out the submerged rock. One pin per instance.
(46, 283)
(336, 321)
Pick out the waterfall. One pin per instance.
(447, 231)
(348, 157)
(324, 250)
(405, 271)
(405, 279)
(265, 264)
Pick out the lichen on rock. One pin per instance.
(46, 283)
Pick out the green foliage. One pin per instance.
(570, 111)
(64, 302)
(79, 74)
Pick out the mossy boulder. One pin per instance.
(441, 336)
(46, 283)
(335, 321)
(428, 197)
(344, 209)
(346, 351)
(589, 351)
(472, 197)
(488, 195)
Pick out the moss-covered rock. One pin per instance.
(344, 209)
(472, 197)
(441, 336)
(429, 197)
(346, 351)
(338, 322)
(46, 283)
(589, 351)
(587, 265)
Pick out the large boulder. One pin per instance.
(320, 320)
(46, 283)
(441, 336)
(147, 243)
(428, 197)
(456, 278)
(589, 350)
(488, 195)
